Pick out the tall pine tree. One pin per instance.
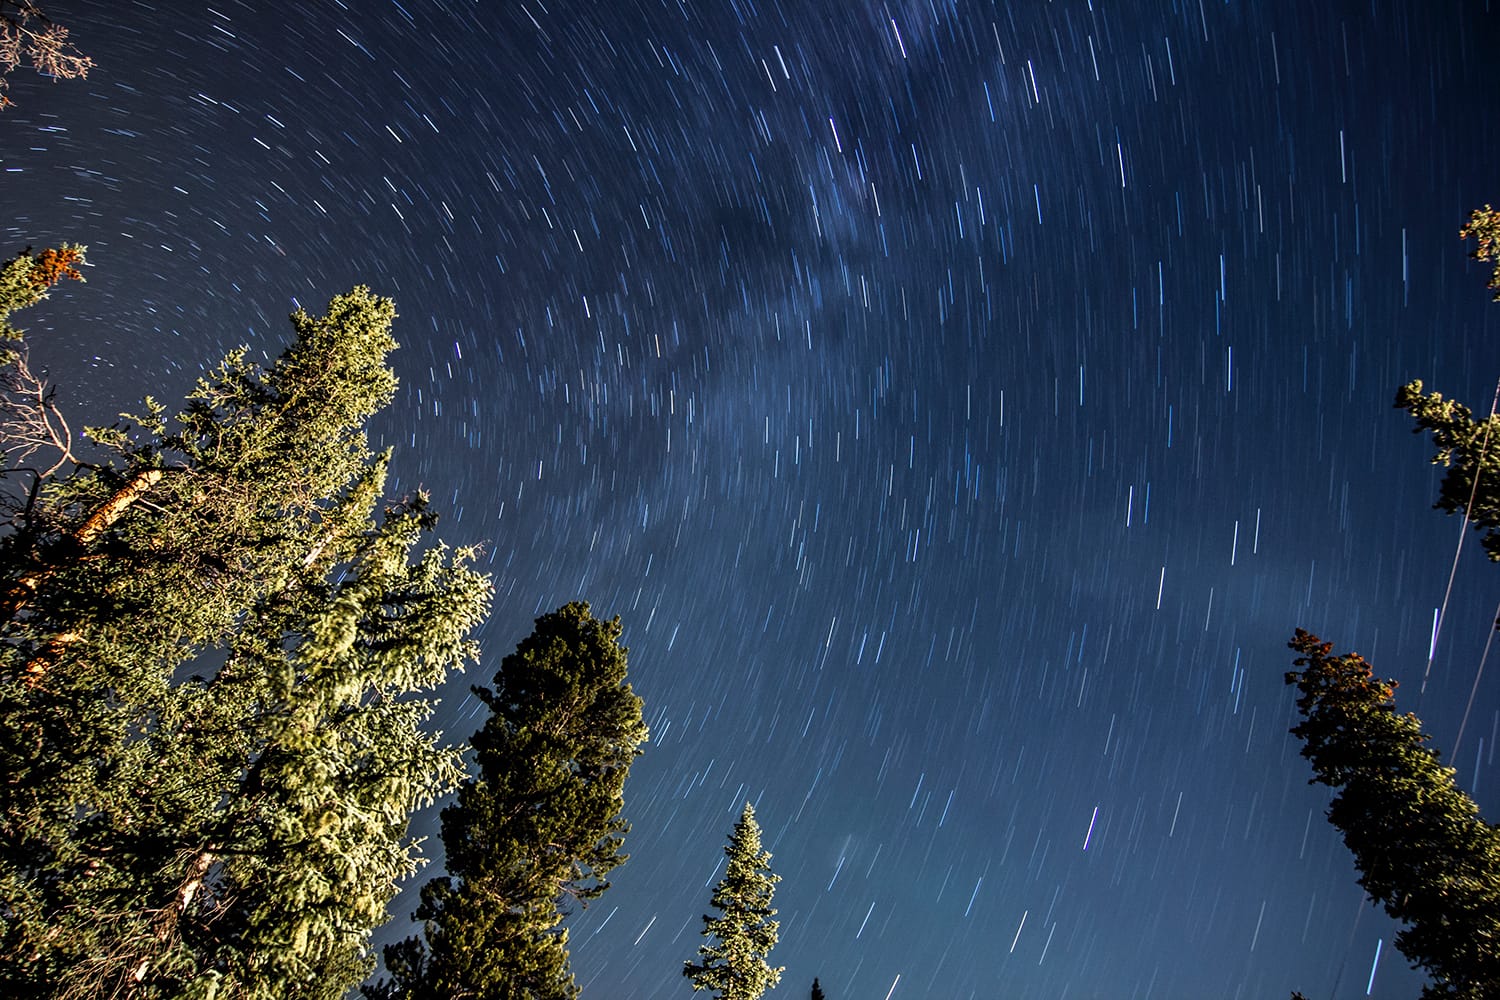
(210, 645)
(732, 961)
(1421, 847)
(537, 828)
(1423, 851)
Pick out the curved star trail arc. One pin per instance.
(959, 402)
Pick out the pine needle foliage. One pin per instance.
(539, 826)
(1483, 228)
(1423, 851)
(1470, 450)
(212, 653)
(732, 961)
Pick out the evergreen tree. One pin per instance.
(732, 962)
(1422, 849)
(209, 646)
(1468, 448)
(817, 991)
(538, 827)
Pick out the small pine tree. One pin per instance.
(817, 991)
(732, 961)
(1418, 840)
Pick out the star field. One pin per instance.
(959, 402)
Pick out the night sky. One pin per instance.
(960, 404)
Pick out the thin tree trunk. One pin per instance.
(84, 535)
(115, 507)
(168, 919)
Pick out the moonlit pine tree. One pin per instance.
(212, 653)
(732, 961)
(1423, 851)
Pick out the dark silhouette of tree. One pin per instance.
(28, 35)
(733, 959)
(817, 991)
(539, 826)
(1422, 849)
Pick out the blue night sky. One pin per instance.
(959, 402)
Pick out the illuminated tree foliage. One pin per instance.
(28, 35)
(732, 961)
(537, 828)
(30, 420)
(1422, 849)
(1470, 450)
(211, 649)
(1484, 228)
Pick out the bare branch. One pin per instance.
(30, 420)
(27, 35)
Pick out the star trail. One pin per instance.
(959, 402)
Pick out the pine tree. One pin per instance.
(732, 961)
(209, 647)
(817, 991)
(1422, 849)
(538, 827)
(1469, 449)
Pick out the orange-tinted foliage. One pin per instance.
(53, 266)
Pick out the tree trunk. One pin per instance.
(84, 535)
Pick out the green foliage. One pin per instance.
(210, 647)
(26, 279)
(1418, 840)
(1470, 450)
(538, 826)
(732, 961)
(1484, 228)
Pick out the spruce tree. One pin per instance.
(537, 828)
(210, 645)
(1423, 851)
(732, 961)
